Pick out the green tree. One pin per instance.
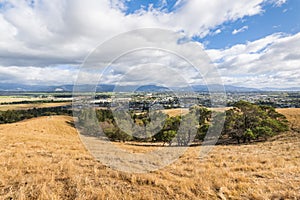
(188, 129)
(169, 130)
(88, 122)
(166, 136)
(201, 132)
(202, 113)
(247, 121)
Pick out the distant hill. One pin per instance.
(281, 89)
(33, 88)
(227, 88)
(143, 88)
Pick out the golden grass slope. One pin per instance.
(293, 115)
(175, 111)
(43, 158)
(182, 111)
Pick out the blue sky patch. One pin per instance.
(284, 19)
(274, 19)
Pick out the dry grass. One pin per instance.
(293, 115)
(182, 111)
(176, 111)
(31, 105)
(43, 158)
(222, 109)
(8, 99)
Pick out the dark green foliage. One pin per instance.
(166, 136)
(201, 132)
(249, 134)
(263, 131)
(203, 123)
(115, 134)
(104, 115)
(172, 123)
(36, 101)
(11, 116)
(202, 113)
(169, 130)
(187, 130)
(87, 120)
(246, 122)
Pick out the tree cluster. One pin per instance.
(11, 116)
(140, 127)
(245, 122)
(35, 102)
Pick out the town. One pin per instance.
(168, 100)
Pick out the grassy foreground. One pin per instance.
(43, 158)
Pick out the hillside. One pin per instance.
(43, 158)
(293, 115)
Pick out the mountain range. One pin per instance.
(143, 88)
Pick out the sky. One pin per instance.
(252, 43)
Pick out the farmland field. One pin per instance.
(17, 102)
(43, 158)
(31, 105)
(8, 99)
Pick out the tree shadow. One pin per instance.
(71, 123)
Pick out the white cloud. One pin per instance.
(197, 17)
(178, 3)
(37, 75)
(216, 32)
(278, 3)
(66, 30)
(236, 31)
(148, 59)
(118, 4)
(36, 40)
(270, 61)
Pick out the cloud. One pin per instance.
(118, 4)
(278, 3)
(65, 31)
(37, 39)
(216, 32)
(178, 3)
(37, 75)
(270, 61)
(142, 65)
(236, 31)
